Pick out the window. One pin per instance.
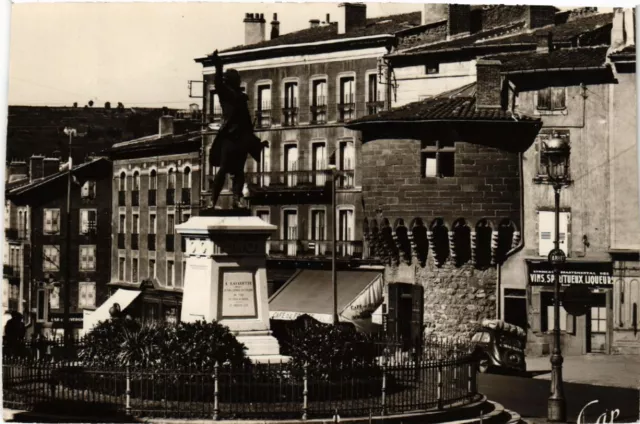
(551, 98)
(42, 313)
(121, 266)
(317, 225)
(122, 224)
(345, 232)
(432, 68)
(319, 162)
(374, 104)
(171, 224)
(87, 294)
(566, 320)
(136, 224)
(263, 106)
(290, 230)
(438, 159)
(290, 113)
(51, 221)
(152, 268)
(136, 181)
(152, 223)
(347, 99)
(87, 258)
(171, 179)
(186, 178)
(215, 108)
(134, 270)
(319, 101)
(51, 258)
(599, 319)
(546, 231)
(170, 273)
(123, 181)
(88, 221)
(264, 167)
(153, 180)
(89, 190)
(54, 298)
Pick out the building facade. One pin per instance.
(48, 230)
(578, 93)
(155, 186)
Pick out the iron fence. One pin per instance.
(268, 391)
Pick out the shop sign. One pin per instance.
(594, 274)
(75, 319)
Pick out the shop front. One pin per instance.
(588, 333)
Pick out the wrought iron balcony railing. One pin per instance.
(287, 180)
(318, 114)
(346, 111)
(314, 249)
(375, 107)
(263, 118)
(289, 116)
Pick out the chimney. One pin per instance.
(623, 29)
(275, 27)
(354, 17)
(489, 84)
(254, 28)
(17, 170)
(165, 126)
(539, 16)
(459, 20)
(434, 12)
(328, 21)
(544, 42)
(36, 170)
(50, 166)
(314, 23)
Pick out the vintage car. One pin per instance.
(500, 346)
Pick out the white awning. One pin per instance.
(123, 297)
(376, 317)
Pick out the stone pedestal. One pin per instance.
(226, 279)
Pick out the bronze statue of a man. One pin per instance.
(235, 139)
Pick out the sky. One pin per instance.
(140, 54)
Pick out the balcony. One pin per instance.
(170, 242)
(121, 241)
(151, 242)
(319, 111)
(135, 198)
(263, 118)
(186, 196)
(121, 198)
(171, 196)
(152, 198)
(135, 244)
(346, 112)
(375, 107)
(310, 249)
(289, 116)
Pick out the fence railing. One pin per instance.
(272, 390)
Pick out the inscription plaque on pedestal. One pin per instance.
(238, 298)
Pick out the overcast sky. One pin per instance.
(136, 53)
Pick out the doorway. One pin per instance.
(597, 324)
(515, 307)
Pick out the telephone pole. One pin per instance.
(67, 285)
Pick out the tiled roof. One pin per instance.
(570, 58)
(457, 105)
(375, 26)
(515, 34)
(155, 140)
(628, 52)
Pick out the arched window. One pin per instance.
(123, 181)
(171, 176)
(186, 178)
(461, 241)
(484, 231)
(153, 180)
(136, 181)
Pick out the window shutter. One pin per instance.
(91, 294)
(84, 221)
(392, 311)
(546, 227)
(54, 298)
(557, 98)
(544, 99)
(56, 220)
(92, 257)
(564, 231)
(48, 221)
(536, 316)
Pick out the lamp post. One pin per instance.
(556, 152)
(67, 285)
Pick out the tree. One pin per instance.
(75, 104)
(107, 105)
(120, 106)
(90, 103)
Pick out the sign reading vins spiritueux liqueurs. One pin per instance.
(238, 294)
(594, 274)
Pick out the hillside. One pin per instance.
(40, 130)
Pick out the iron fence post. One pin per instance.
(384, 385)
(439, 392)
(216, 406)
(473, 382)
(128, 392)
(305, 391)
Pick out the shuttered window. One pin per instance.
(51, 258)
(52, 221)
(87, 294)
(87, 258)
(551, 98)
(546, 232)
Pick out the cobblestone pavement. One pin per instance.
(599, 370)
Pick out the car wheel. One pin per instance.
(484, 365)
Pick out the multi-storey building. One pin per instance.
(586, 96)
(155, 186)
(59, 243)
(302, 88)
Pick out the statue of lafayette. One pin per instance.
(235, 139)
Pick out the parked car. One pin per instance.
(500, 346)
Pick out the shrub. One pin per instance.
(331, 351)
(182, 345)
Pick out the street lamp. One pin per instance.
(556, 152)
(67, 286)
